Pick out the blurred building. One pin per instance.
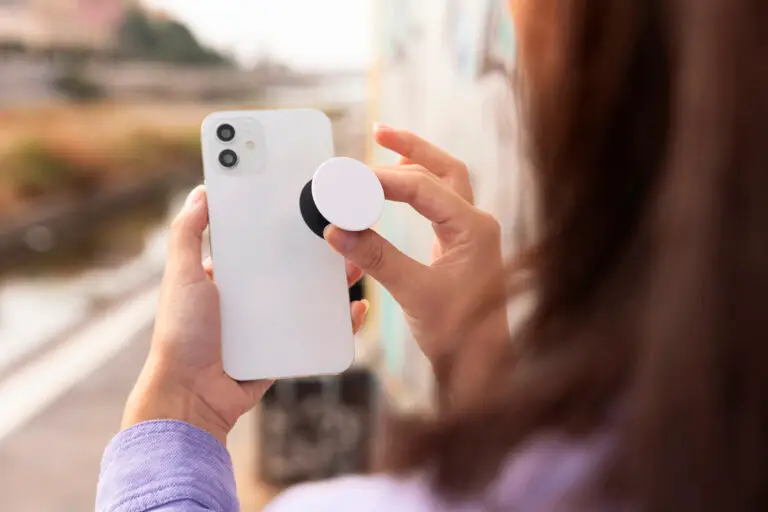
(57, 23)
(468, 47)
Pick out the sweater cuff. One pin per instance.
(155, 463)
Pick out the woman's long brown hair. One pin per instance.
(651, 270)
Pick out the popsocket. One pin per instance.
(343, 192)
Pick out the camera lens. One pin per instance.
(225, 133)
(228, 158)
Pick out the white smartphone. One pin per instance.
(283, 291)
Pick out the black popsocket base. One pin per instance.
(309, 212)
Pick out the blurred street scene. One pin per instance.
(100, 110)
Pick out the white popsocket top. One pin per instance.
(348, 194)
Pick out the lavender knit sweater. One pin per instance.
(170, 466)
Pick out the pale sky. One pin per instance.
(309, 34)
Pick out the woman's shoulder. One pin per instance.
(371, 493)
(542, 475)
(550, 470)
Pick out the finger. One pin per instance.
(359, 311)
(415, 150)
(354, 273)
(410, 167)
(185, 249)
(398, 273)
(208, 267)
(428, 196)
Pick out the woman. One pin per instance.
(640, 380)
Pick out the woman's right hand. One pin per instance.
(466, 261)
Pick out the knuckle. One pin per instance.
(419, 169)
(422, 179)
(418, 183)
(373, 257)
(410, 142)
(425, 183)
(462, 170)
(409, 136)
(488, 224)
(424, 174)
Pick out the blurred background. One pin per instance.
(100, 107)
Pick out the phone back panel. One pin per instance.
(284, 297)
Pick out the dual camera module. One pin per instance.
(226, 133)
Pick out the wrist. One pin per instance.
(155, 398)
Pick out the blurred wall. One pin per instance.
(445, 70)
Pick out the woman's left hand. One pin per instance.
(183, 378)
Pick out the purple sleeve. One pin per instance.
(167, 466)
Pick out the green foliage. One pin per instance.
(147, 153)
(34, 169)
(166, 41)
(137, 37)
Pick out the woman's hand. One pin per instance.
(466, 265)
(183, 377)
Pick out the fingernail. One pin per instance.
(367, 306)
(342, 241)
(380, 127)
(195, 196)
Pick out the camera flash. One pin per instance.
(250, 144)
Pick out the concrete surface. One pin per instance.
(51, 464)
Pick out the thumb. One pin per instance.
(399, 274)
(185, 251)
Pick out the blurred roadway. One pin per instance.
(50, 463)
